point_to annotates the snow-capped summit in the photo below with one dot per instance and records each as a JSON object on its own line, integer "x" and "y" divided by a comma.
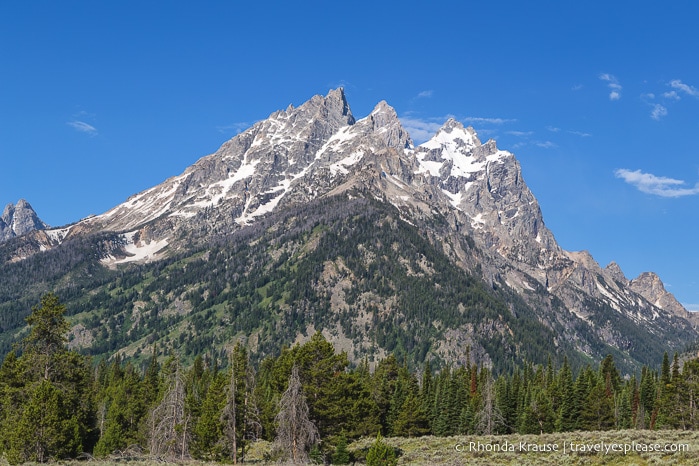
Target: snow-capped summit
{"x": 320, "y": 149}
{"x": 466, "y": 197}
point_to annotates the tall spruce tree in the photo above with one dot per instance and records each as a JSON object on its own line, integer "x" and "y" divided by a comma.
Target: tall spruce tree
{"x": 47, "y": 399}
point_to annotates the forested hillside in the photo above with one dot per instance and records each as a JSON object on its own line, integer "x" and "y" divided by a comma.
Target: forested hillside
{"x": 55, "y": 405}
{"x": 350, "y": 267}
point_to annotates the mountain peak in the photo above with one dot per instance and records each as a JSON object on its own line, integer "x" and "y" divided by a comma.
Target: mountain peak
{"x": 18, "y": 220}
{"x": 649, "y": 285}
{"x": 616, "y": 272}
{"x": 383, "y": 120}
{"x": 337, "y": 100}
{"x": 453, "y": 133}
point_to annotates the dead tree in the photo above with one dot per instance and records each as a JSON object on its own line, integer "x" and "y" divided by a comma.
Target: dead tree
{"x": 489, "y": 416}
{"x": 230, "y": 414}
{"x": 170, "y": 423}
{"x": 295, "y": 431}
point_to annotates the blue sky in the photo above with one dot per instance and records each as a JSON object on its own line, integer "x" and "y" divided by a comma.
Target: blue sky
{"x": 598, "y": 100}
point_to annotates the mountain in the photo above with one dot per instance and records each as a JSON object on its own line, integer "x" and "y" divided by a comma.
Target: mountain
{"x": 314, "y": 220}
{"x": 18, "y": 220}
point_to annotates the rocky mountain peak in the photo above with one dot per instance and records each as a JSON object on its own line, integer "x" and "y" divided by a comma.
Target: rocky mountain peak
{"x": 615, "y": 271}
{"x": 18, "y": 220}
{"x": 383, "y": 121}
{"x": 336, "y": 105}
{"x": 453, "y": 132}
{"x": 649, "y": 285}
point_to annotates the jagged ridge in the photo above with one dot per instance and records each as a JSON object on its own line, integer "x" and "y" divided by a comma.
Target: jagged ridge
{"x": 319, "y": 149}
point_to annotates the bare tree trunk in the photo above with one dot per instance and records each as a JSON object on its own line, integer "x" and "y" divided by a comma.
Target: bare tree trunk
{"x": 230, "y": 414}
{"x": 295, "y": 431}
{"x": 169, "y": 435}
{"x": 489, "y": 416}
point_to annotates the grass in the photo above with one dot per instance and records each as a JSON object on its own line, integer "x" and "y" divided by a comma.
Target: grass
{"x": 492, "y": 450}
{"x": 546, "y": 449}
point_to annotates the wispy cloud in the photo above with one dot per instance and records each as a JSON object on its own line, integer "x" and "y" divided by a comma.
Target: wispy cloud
{"x": 580, "y": 133}
{"x": 691, "y": 307}
{"x": 233, "y": 128}
{"x": 546, "y": 144}
{"x": 657, "y": 185}
{"x": 425, "y": 94}
{"x": 658, "y": 112}
{"x": 421, "y": 130}
{"x": 686, "y": 88}
{"x": 341, "y": 83}
{"x": 520, "y": 133}
{"x": 553, "y": 129}
{"x": 83, "y": 127}
{"x": 672, "y": 95}
{"x": 613, "y": 85}
{"x": 493, "y": 121}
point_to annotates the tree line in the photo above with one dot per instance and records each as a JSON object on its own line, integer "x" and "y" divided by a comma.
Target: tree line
{"x": 308, "y": 399}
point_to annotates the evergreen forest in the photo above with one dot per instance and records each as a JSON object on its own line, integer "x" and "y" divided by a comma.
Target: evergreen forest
{"x": 308, "y": 399}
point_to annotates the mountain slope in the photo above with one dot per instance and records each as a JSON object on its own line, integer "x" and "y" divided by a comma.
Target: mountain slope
{"x": 465, "y": 198}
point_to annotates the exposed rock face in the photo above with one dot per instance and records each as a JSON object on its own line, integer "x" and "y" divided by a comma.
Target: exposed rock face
{"x": 18, "y": 220}
{"x": 651, "y": 287}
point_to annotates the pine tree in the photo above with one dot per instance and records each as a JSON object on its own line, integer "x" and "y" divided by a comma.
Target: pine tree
{"x": 47, "y": 337}
{"x": 239, "y": 415}
{"x": 342, "y": 454}
{"x": 412, "y": 420}
{"x": 383, "y": 388}
{"x": 538, "y": 416}
{"x": 208, "y": 437}
{"x": 598, "y": 410}
{"x": 381, "y": 454}
{"x": 47, "y": 392}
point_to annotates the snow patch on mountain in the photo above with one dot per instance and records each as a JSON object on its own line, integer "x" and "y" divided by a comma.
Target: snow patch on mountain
{"x": 57, "y": 236}
{"x": 136, "y": 250}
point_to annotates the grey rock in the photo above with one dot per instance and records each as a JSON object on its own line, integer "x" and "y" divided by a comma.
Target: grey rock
{"x": 18, "y": 220}
{"x": 649, "y": 285}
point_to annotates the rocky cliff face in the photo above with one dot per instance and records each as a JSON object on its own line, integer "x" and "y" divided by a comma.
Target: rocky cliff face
{"x": 319, "y": 149}
{"x": 18, "y": 220}
{"x": 652, "y": 288}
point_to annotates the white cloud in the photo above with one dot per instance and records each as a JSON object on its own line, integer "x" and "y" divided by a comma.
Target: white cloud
{"x": 234, "y": 128}
{"x": 553, "y": 129}
{"x": 671, "y": 95}
{"x": 580, "y": 133}
{"x": 691, "y": 307}
{"x": 546, "y": 144}
{"x": 613, "y": 84}
{"x": 658, "y": 112}
{"x": 520, "y": 133}
{"x": 83, "y": 127}
{"x": 420, "y": 130}
{"x": 657, "y": 185}
{"x": 494, "y": 121}
{"x": 425, "y": 94}
{"x": 686, "y": 88}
